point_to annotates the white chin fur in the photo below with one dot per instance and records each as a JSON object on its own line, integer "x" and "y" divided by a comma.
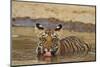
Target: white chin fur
{"x": 45, "y": 49}
{"x": 54, "y": 34}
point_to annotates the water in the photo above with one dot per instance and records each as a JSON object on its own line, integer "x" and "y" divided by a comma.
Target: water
{"x": 23, "y": 53}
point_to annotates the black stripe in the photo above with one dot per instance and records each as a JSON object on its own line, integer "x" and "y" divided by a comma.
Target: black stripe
{"x": 67, "y": 46}
{"x": 75, "y": 45}
{"x": 78, "y": 45}
{"x": 82, "y": 44}
{"x": 71, "y": 49}
{"x": 62, "y": 44}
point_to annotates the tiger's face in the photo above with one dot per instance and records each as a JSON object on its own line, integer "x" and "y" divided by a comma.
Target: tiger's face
{"x": 48, "y": 41}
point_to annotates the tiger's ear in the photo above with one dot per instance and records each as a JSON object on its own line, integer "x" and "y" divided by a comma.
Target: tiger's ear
{"x": 39, "y": 26}
{"x": 58, "y": 27}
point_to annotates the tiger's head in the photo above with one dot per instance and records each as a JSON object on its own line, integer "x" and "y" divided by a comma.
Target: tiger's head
{"x": 48, "y": 41}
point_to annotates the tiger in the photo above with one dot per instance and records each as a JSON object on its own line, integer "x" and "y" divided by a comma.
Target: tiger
{"x": 51, "y": 45}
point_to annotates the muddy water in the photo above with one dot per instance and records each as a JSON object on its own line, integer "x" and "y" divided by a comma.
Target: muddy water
{"x": 31, "y": 59}
{"x": 23, "y": 53}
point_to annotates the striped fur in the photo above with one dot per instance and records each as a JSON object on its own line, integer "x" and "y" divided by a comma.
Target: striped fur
{"x": 73, "y": 46}
{"x": 68, "y": 46}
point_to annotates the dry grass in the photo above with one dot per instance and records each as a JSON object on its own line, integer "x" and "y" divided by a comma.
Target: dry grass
{"x": 61, "y": 12}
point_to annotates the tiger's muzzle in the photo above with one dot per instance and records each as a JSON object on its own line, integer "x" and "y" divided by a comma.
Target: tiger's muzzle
{"x": 43, "y": 51}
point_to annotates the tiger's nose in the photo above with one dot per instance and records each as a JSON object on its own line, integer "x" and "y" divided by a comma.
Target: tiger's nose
{"x": 47, "y": 52}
